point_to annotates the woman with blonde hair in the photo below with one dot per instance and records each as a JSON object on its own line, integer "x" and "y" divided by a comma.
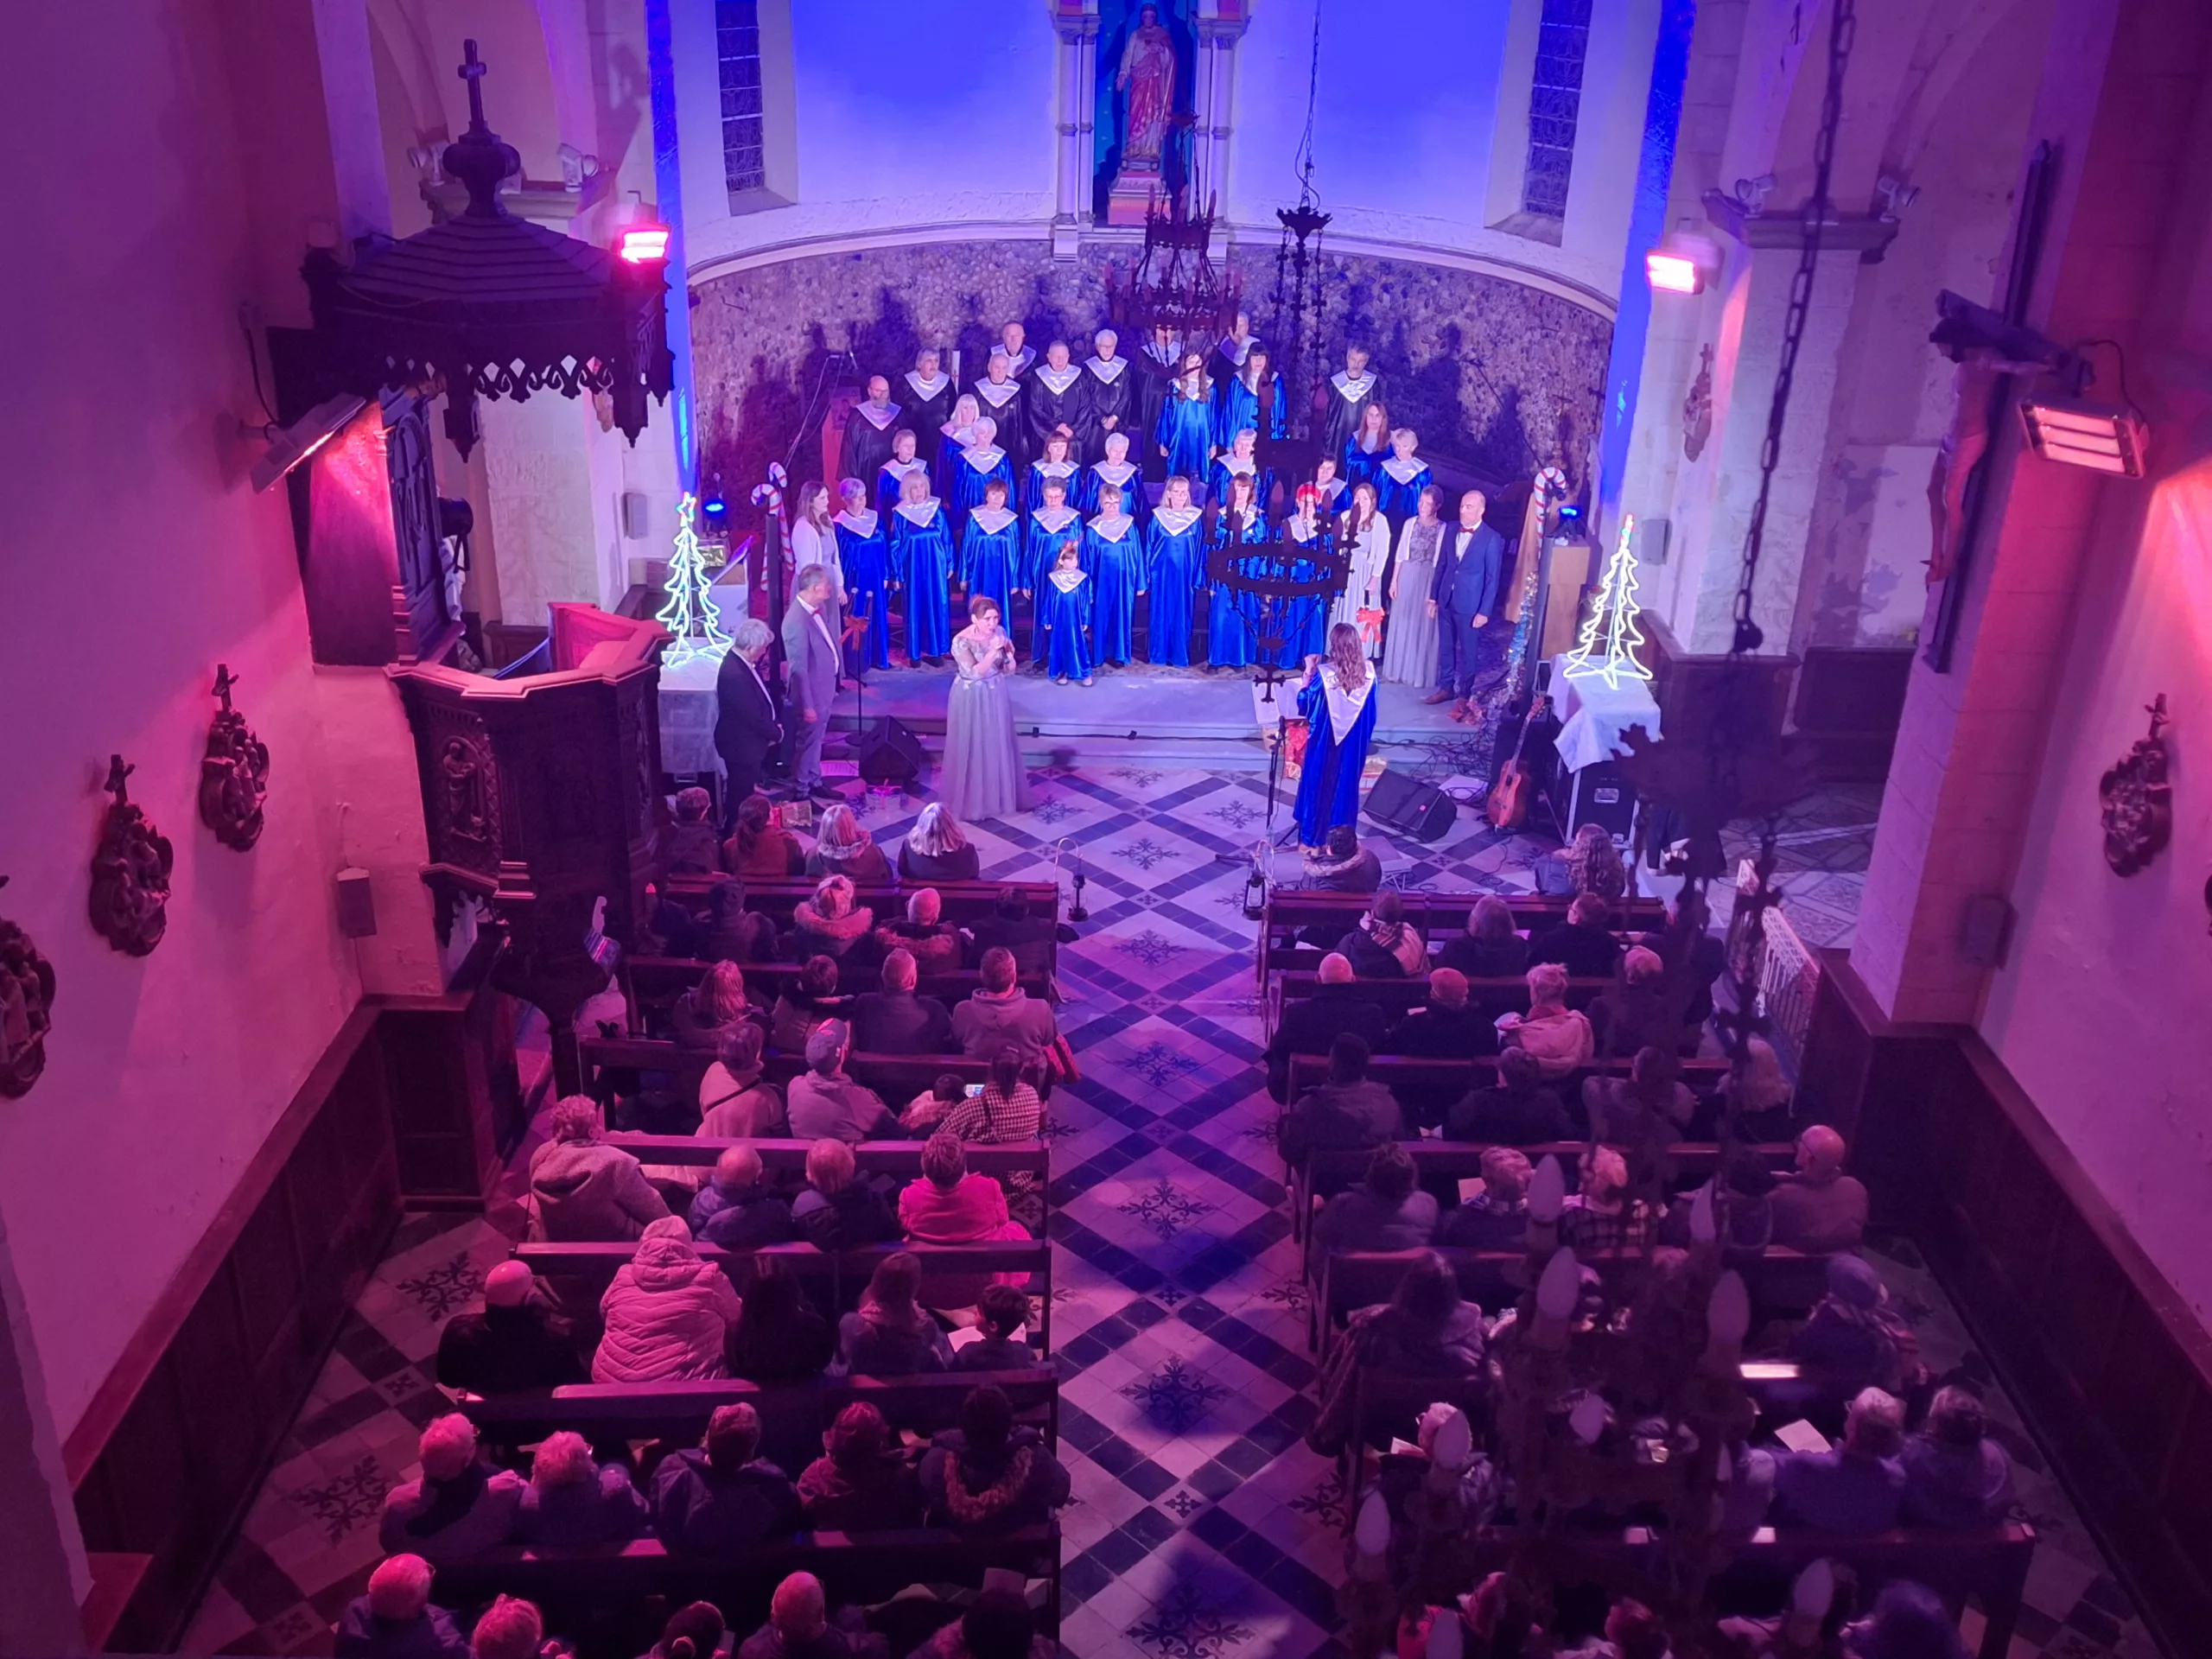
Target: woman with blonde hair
{"x": 830, "y": 923}
{"x": 1558, "y": 1037}
{"x": 891, "y": 1334}
{"x": 702, "y": 1016}
{"x": 572, "y": 1499}
{"x": 937, "y": 849}
{"x": 842, "y": 848}
{"x": 1337, "y": 703}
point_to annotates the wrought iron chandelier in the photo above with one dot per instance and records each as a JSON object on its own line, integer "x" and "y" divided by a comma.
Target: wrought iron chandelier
{"x": 1173, "y": 284}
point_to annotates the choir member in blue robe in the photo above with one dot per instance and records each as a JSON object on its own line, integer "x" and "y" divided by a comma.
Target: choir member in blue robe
{"x": 990, "y": 553}
{"x": 1159, "y": 364}
{"x": 1055, "y": 397}
{"x": 867, "y": 432}
{"x": 1227, "y": 361}
{"x": 1063, "y": 601}
{"x": 1117, "y": 472}
{"x": 998, "y": 397}
{"x": 1232, "y": 520}
{"x": 1055, "y": 461}
{"x": 1113, "y": 554}
{"x": 1184, "y": 436}
{"x": 864, "y": 555}
{"x": 921, "y": 563}
{"x": 1240, "y": 457}
{"x": 974, "y": 470}
{"x": 1053, "y": 526}
{"x": 953, "y": 436}
{"x": 930, "y": 393}
{"x": 1175, "y": 570}
{"x": 1349, "y": 391}
{"x": 1252, "y": 401}
{"x": 1368, "y": 447}
{"x": 1111, "y": 395}
{"x": 1305, "y": 621}
{"x": 1331, "y": 495}
{"x": 1402, "y": 478}
{"x": 1337, "y": 703}
{"x": 891, "y": 477}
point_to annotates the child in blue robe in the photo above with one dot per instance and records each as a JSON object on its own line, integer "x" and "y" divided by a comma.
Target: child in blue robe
{"x": 1063, "y": 600}
{"x": 1184, "y": 436}
{"x": 1113, "y": 555}
{"x": 921, "y": 563}
{"x": 1051, "y": 527}
{"x": 1175, "y": 568}
{"x": 990, "y": 553}
{"x": 1337, "y": 701}
{"x": 865, "y": 556}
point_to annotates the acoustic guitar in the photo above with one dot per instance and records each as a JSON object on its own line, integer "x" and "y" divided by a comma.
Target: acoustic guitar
{"x": 1508, "y": 806}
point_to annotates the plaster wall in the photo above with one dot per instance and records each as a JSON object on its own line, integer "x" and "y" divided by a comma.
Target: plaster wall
{"x": 138, "y": 558}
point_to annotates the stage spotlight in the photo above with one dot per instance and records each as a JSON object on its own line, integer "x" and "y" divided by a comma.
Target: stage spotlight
{"x": 1680, "y": 263}
{"x": 2096, "y": 436}
{"x": 644, "y": 244}
{"x": 295, "y": 443}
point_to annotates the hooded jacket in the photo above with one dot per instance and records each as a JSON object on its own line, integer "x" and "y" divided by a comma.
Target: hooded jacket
{"x": 666, "y": 1313}
{"x": 1560, "y": 1039}
{"x": 814, "y": 934}
{"x": 588, "y": 1191}
{"x": 699, "y": 1509}
{"x": 1020, "y": 1489}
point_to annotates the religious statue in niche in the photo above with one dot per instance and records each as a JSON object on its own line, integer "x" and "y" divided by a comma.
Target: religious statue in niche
{"x": 25, "y": 1009}
{"x": 1697, "y": 408}
{"x": 1147, "y": 81}
{"x": 130, "y": 871}
{"x": 1140, "y": 89}
{"x": 2139, "y": 802}
{"x": 234, "y": 773}
{"x": 468, "y": 792}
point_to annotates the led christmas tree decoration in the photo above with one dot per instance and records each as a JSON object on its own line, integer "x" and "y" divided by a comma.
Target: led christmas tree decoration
{"x": 1607, "y": 648}
{"x": 690, "y": 609}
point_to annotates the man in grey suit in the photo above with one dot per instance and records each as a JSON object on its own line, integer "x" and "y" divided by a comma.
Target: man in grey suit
{"x": 1462, "y": 597}
{"x": 812, "y": 677}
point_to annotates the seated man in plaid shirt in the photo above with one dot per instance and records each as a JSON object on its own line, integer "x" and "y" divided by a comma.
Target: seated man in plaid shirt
{"x": 1602, "y": 1217}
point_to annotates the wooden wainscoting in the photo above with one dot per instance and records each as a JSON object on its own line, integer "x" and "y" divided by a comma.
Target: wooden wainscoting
{"x": 2113, "y": 1370}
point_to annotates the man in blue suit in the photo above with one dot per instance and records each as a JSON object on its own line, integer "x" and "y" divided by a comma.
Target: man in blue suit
{"x": 1462, "y": 597}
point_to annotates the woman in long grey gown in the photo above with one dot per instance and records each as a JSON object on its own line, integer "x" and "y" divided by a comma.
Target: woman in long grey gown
{"x": 983, "y": 776}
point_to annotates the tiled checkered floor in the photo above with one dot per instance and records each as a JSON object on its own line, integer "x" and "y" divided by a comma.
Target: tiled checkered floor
{"x": 1202, "y": 1527}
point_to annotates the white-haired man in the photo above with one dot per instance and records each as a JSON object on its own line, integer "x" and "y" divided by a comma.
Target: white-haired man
{"x": 811, "y": 675}
{"x": 460, "y": 1507}
{"x": 1852, "y": 1490}
{"x": 585, "y": 1190}
{"x": 517, "y": 1342}
{"x": 395, "y": 1620}
{"x": 745, "y": 724}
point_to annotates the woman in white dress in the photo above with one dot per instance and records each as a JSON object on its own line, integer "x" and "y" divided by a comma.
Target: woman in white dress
{"x": 1366, "y": 536}
{"x": 814, "y": 538}
{"x": 983, "y": 776}
{"x": 1409, "y": 637}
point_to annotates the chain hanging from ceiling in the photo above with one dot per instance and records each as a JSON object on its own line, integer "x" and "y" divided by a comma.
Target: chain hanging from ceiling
{"x": 1298, "y": 296}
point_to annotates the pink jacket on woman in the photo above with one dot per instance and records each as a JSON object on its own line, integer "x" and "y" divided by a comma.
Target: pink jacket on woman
{"x": 667, "y": 1313}
{"x": 972, "y": 1212}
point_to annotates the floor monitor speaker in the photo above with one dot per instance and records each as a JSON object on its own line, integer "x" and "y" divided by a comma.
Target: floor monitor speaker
{"x": 1421, "y": 810}
{"x": 890, "y": 755}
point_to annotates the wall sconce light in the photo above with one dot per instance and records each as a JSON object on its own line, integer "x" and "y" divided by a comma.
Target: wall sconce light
{"x": 2098, "y": 436}
{"x": 293, "y": 444}
{"x": 1681, "y": 263}
{"x": 644, "y": 244}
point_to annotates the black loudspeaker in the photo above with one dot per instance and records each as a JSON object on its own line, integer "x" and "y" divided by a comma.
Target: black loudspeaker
{"x": 1602, "y": 796}
{"x": 890, "y": 755}
{"x": 1422, "y": 810}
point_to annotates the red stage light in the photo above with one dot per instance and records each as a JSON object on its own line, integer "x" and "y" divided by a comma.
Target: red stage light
{"x": 644, "y": 244}
{"x": 1671, "y": 273}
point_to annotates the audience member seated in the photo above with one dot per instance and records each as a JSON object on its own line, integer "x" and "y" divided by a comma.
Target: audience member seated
{"x": 863, "y": 1482}
{"x": 936, "y": 945}
{"x": 762, "y": 848}
{"x": 731, "y": 932}
{"x": 1350, "y": 1109}
{"x": 990, "y": 1475}
{"x": 1013, "y": 927}
{"x": 1602, "y": 1217}
{"x": 1449, "y": 1028}
{"x": 395, "y": 1619}
{"x": 1747, "y": 1185}
{"x": 1640, "y": 1010}
{"x": 1760, "y": 1092}
{"x": 1594, "y": 863}
{"x": 800, "y": 1627}
{"x": 1643, "y": 1113}
{"x": 1490, "y": 949}
{"x": 1496, "y": 1218}
{"x": 734, "y": 1103}
{"x": 692, "y": 1632}
{"x": 686, "y": 845}
{"x": 1819, "y": 1209}
{"x": 1519, "y": 1109}
{"x": 948, "y": 1205}
{"x": 584, "y": 1191}
{"x": 838, "y": 1210}
{"x": 1001, "y": 1311}
{"x": 778, "y": 1338}
{"x": 572, "y": 1500}
{"x": 667, "y": 1313}
{"x": 831, "y": 923}
{"x": 702, "y": 1015}
{"x": 1310, "y": 1025}
{"x": 1708, "y": 957}
{"x": 925, "y": 1113}
{"x": 1909, "y": 1621}
{"x": 512, "y": 1629}
{"x": 841, "y": 847}
{"x": 738, "y": 1209}
{"x": 460, "y": 1507}
{"x": 894, "y": 1021}
{"x": 1386, "y": 1212}
{"x": 517, "y": 1342}
{"x": 937, "y": 849}
{"x": 825, "y": 1103}
{"x": 1852, "y": 1490}
{"x": 1557, "y": 1035}
{"x": 1582, "y": 944}
{"x": 720, "y": 1498}
{"x": 1341, "y": 865}
{"x": 1006, "y": 1111}
{"x": 1955, "y": 1477}
{"x": 1001, "y": 1014}
{"x": 801, "y": 1009}
{"x": 891, "y": 1333}
{"x": 1381, "y": 946}
{"x": 1426, "y": 1329}
{"x": 1855, "y": 1339}
{"x": 998, "y": 1624}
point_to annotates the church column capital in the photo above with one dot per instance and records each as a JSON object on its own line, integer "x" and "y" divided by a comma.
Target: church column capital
{"x": 1073, "y": 19}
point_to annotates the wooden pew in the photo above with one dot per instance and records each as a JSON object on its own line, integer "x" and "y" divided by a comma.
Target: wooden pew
{"x": 963, "y": 901}
{"x": 901, "y": 1158}
{"x": 1288, "y": 913}
{"x": 897, "y": 1077}
{"x": 1400, "y": 997}
{"x": 1415, "y": 1073}
{"x": 656, "y": 981}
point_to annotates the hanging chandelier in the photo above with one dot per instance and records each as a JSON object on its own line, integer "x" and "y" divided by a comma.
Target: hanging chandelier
{"x": 1173, "y": 283}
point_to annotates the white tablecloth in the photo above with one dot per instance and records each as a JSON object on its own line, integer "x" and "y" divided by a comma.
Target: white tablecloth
{"x": 1594, "y": 716}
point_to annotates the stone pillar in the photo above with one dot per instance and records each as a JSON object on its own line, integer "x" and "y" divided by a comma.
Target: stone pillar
{"x": 1076, "y": 23}
{"x": 1221, "y": 24}
{"x": 43, "y": 1574}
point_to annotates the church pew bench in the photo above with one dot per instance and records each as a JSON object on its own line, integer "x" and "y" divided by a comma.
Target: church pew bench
{"x": 1287, "y": 914}
{"x": 963, "y": 901}
{"x": 901, "y": 1159}
{"x": 897, "y": 1077}
{"x": 1399, "y": 997}
{"x": 654, "y": 982}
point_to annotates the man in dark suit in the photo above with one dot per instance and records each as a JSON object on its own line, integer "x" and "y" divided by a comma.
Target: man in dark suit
{"x": 811, "y": 678}
{"x": 745, "y": 727}
{"x": 1311, "y": 1024}
{"x": 1013, "y": 928}
{"x": 1582, "y": 944}
{"x": 1462, "y": 597}
{"x": 1449, "y": 1028}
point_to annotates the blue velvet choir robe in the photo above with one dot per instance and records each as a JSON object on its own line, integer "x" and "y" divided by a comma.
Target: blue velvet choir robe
{"x": 1227, "y": 466}
{"x": 990, "y": 555}
{"x": 1002, "y": 402}
{"x": 1308, "y": 618}
{"x": 1398, "y": 485}
{"x": 1339, "y": 725}
{"x": 891, "y": 478}
{"x": 1068, "y": 472}
{"x": 1124, "y": 477}
{"x": 1113, "y": 555}
{"x": 1348, "y": 402}
{"x": 1186, "y": 432}
{"x": 950, "y": 444}
{"x": 1361, "y": 466}
{"x": 1175, "y": 568}
{"x": 972, "y": 472}
{"x": 865, "y": 556}
{"x": 1239, "y": 411}
{"x": 1064, "y": 601}
{"x": 1046, "y": 533}
{"x": 1229, "y": 641}
{"x": 921, "y": 558}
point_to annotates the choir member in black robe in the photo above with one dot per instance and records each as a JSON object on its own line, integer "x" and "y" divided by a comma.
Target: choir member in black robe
{"x": 1159, "y": 365}
{"x": 1057, "y": 397}
{"x": 999, "y": 394}
{"x": 1112, "y": 390}
{"x": 929, "y": 401}
{"x": 1020, "y": 359}
{"x": 867, "y": 433}
{"x": 1349, "y": 391}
